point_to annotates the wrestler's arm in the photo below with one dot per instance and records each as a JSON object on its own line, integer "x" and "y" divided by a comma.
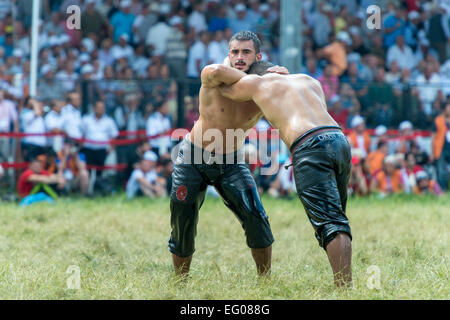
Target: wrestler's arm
{"x": 242, "y": 90}
{"x": 215, "y": 75}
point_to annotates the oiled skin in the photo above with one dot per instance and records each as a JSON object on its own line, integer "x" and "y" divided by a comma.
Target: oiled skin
{"x": 293, "y": 104}
{"x": 220, "y": 113}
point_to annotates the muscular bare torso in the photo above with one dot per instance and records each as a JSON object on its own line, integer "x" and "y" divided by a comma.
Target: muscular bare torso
{"x": 293, "y": 104}
{"x": 217, "y": 114}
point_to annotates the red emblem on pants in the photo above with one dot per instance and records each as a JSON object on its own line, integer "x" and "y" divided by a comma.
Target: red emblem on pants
{"x": 181, "y": 193}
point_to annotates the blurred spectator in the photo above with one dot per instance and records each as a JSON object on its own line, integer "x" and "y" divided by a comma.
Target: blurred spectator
{"x": 429, "y": 85}
{"x": 197, "y": 59}
{"x": 359, "y": 137}
{"x": 441, "y": 146}
{"x": 339, "y": 114}
{"x": 122, "y": 21}
{"x": 143, "y": 23}
{"x": 67, "y": 76}
{"x": 380, "y": 97}
{"x": 144, "y": 180}
{"x": 219, "y": 22}
{"x": 388, "y": 180}
{"x": 122, "y": 48}
{"x": 72, "y": 163}
{"x": 32, "y": 122}
{"x": 375, "y": 159}
{"x": 9, "y": 122}
{"x": 98, "y": 129}
{"x": 197, "y": 20}
{"x": 243, "y": 21}
{"x": 329, "y": 82}
{"x": 48, "y": 88}
{"x": 394, "y": 26}
{"x": 218, "y": 48}
{"x": 157, "y": 125}
{"x": 321, "y": 24}
{"x": 158, "y": 36}
{"x": 438, "y": 32}
{"x": 54, "y": 123}
{"x": 312, "y": 68}
{"x": 425, "y": 185}
{"x": 176, "y": 48}
{"x": 72, "y": 115}
{"x": 37, "y": 185}
{"x": 92, "y": 21}
{"x": 401, "y": 53}
{"x": 359, "y": 181}
{"x": 335, "y": 53}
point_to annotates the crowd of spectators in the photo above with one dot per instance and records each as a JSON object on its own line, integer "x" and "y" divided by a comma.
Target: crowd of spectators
{"x": 134, "y": 63}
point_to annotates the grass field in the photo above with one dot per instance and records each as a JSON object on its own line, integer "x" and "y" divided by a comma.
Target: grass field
{"x": 120, "y": 249}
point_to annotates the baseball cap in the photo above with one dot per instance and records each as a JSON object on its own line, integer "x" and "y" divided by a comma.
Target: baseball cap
{"x": 356, "y": 121}
{"x": 125, "y": 3}
{"x": 404, "y": 125}
{"x": 240, "y": 8}
{"x": 175, "y": 20}
{"x": 380, "y": 130}
{"x": 150, "y": 156}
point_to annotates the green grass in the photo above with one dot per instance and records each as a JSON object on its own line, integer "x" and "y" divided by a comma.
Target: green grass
{"x": 121, "y": 250}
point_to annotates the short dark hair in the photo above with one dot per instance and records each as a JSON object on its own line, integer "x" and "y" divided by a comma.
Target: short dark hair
{"x": 247, "y": 36}
{"x": 260, "y": 67}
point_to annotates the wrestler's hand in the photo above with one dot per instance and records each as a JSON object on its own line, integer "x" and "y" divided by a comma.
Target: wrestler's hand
{"x": 279, "y": 70}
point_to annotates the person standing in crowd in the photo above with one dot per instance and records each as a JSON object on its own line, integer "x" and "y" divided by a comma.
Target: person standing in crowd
{"x": 197, "y": 59}
{"x": 54, "y": 123}
{"x": 98, "y": 129}
{"x": 159, "y": 123}
{"x": 122, "y": 21}
{"x": 32, "y": 122}
{"x": 176, "y": 48}
{"x": 8, "y": 123}
{"x": 72, "y": 115}
{"x": 441, "y": 146}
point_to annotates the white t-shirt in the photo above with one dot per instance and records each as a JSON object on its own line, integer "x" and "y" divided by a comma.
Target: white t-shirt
{"x": 101, "y": 130}
{"x": 157, "y": 124}
{"x": 133, "y": 183}
{"x": 54, "y": 120}
{"x": 33, "y": 124}
{"x": 198, "y": 51}
{"x": 8, "y": 114}
{"x": 72, "y": 121}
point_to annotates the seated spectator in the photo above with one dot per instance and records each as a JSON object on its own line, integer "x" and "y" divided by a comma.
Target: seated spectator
{"x": 425, "y": 185}
{"x": 359, "y": 137}
{"x": 165, "y": 169}
{"x": 388, "y": 180}
{"x": 441, "y": 146}
{"x": 36, "y": 184}
{"x": 73, "y": 165}
{"x": 339, "y": 114}
{"x": 359, "y": 180}
{"x": 412, "y": 168}
{"x": 401, "y": 53}
{"x": 335, "y": 53}
{"x": 144, "y": 180}
{"x": 375, "y": 159}
{"x": 329, "y": 82}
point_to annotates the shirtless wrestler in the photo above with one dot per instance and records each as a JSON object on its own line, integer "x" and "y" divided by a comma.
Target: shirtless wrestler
{"x": 295, "y": 105}
{"x": 232, "y": 180}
